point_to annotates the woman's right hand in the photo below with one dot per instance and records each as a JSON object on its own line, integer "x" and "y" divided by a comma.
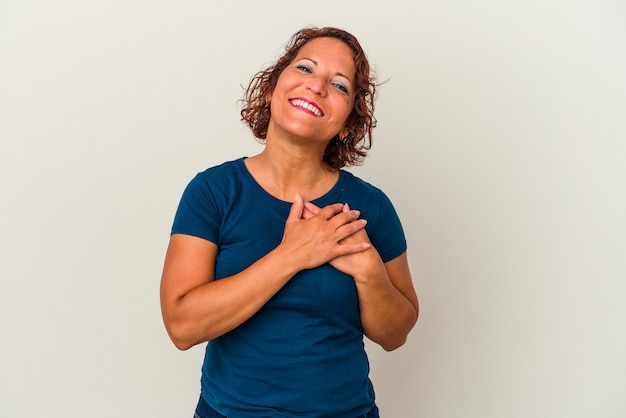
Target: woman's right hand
{"x": 197, "y": 308}
{"x": 315, "y": 239}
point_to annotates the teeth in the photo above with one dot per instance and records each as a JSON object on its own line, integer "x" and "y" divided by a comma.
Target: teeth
{"x": 307, "y": 106}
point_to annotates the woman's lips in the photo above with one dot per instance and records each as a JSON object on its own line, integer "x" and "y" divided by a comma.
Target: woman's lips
{"x": 307, "y": 106}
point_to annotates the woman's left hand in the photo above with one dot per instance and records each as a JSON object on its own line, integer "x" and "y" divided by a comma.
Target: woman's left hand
{"x": 387, "y": 300}
{"x": 351, "y": 264}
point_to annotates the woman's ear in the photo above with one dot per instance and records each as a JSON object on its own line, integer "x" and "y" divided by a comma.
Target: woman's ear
{"x": 343, "y": 133}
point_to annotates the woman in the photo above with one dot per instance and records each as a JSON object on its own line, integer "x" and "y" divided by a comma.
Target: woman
{"x": 270, "y": 259}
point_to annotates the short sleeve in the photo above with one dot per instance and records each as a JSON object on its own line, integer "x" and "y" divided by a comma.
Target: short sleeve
{"x": 388, "y": 235}
{"x": 197, "y": 212}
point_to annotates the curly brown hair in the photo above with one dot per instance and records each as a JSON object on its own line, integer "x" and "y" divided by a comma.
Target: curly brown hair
{"x": 340, "y": 152}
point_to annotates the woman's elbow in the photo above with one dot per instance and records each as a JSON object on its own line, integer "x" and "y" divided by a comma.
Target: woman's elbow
{"x": 179, "y": 333}
{"x": 177, "y": 338}
{"x": 395, "y": 340}
{"x": 394, "y": 345}
{"x": 181, "y": 343}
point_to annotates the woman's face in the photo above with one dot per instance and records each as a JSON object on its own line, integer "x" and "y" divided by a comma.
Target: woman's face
{"x": 314, "y": 95}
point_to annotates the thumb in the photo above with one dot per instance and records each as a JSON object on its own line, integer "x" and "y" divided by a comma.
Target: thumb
{"x": 296, "y": 208}
{"x": 310, "y": 210}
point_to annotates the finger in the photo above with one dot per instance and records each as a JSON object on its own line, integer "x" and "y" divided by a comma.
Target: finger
{"x": 331, "y": 210}
{"x": 312, "y": 208}
{"x": 345, "y": 217}
{"x": 346, "y": 249}
{"x": 296, "y": 208}
{"x": 350, "y": 229}
{"x": 306, "y": 213}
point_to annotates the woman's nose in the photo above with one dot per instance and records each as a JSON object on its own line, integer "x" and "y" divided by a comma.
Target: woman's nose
{"x": 317, "y": 85}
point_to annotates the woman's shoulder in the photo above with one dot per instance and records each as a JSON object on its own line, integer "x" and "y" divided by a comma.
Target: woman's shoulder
{"x": 220, "y": 175}
{"x": 358, "y": 185}
{"x": 364, "y": 194}
{"x": 224, "y": 178}
{"x": 227, "y": 168}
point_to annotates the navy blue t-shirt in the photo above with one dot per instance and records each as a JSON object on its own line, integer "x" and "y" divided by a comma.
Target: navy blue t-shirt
{"x": 302, "y": 354}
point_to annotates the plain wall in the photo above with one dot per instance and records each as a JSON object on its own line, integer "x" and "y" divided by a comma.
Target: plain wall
{"x": 501, "y": 141}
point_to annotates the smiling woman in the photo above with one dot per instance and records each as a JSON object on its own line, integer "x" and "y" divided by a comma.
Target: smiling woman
{"x": 283, "y": 261}
{"x": 356, "y": 140}
{"x": 311, "y": 99}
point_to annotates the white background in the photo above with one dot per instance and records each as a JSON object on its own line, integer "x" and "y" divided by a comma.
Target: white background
{"x": 501, "y": 141}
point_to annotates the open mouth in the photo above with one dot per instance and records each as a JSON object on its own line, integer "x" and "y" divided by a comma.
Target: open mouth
{"x": 307, "y": 106}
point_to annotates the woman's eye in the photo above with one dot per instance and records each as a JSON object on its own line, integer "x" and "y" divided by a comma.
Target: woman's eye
{"x": 304, "y": 68}
{"x": 341, "y": 87}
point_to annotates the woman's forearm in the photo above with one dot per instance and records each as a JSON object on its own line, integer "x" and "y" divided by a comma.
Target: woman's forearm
{"x": 388, "y": 310}
{"x": 196, "y": 308}
{"x": 216, "y": 307}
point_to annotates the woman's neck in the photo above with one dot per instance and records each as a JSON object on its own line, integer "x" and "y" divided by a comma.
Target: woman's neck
{"x": 285, "y": 173}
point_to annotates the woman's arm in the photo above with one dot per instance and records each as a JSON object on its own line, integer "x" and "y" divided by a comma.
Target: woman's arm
{"x": 387, "y": 300}
{"x": 197, "y": 308}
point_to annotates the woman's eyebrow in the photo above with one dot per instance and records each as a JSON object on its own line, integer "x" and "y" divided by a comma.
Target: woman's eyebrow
{"x": 340, "y": 74}
{"x": 309, "y": 59}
